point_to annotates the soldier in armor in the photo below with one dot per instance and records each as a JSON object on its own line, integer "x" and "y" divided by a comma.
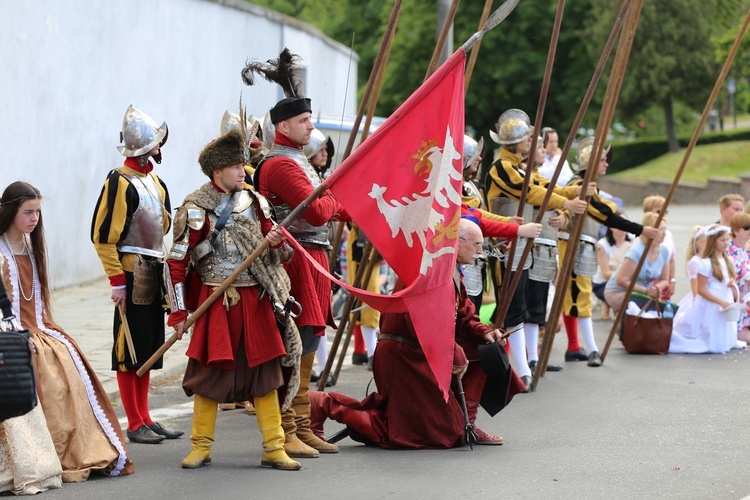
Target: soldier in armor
{"x": 241, "y": 348}
{"x": 577, "y": 299}
{"x": 286, "y": 178}
{"x": 472, "y": 202}
{"x": 503, "y": 186}
{"x": 131, "y": 217}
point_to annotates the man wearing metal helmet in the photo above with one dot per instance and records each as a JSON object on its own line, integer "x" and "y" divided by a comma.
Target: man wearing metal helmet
{"x": 239, "y": 348}
{"x": 503, "y": 185}
{"x": 286, "y": 178}
{"x": 577, "y": 299}
{"x": 131, "y": 217}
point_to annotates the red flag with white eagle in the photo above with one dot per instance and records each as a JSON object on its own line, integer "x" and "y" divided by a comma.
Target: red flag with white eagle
{"x": 402, "y": 187}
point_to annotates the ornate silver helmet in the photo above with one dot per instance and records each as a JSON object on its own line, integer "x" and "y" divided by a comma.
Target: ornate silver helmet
{"x": 268, "y": 131}
{"x": 472, "y": 150}
{"x": 232, "y": 121}
{"x": 140, "y": 133}
{"x": 513, "y": 127}
{"x": 583, "y": 155}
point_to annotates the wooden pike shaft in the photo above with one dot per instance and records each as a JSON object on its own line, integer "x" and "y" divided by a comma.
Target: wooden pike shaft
{"x": 605, "y": 118}
{"x": 506, "y": 290}
{"x": 218, "y": 292}
{"x": 670, "y": 194}
{"x": 372, "y": 260}
{"x": 441, "y": 39}
{"x": 475, "y": 49}
{"x": 348, "y": 306}
{"x": 128, "y": 336}
{"x": 574, "y": 127}
{"x": 378, "y": 68}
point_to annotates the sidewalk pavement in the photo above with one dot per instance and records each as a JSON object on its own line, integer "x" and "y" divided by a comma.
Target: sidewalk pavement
{"x": 85, "y": 312}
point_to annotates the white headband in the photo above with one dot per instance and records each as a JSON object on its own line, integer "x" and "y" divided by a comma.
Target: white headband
{"x": 714, "y": 229}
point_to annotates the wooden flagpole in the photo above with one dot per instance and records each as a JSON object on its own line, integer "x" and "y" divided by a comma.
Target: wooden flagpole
{"x": 673, "y": 188}
{"x": 605, "y": 118}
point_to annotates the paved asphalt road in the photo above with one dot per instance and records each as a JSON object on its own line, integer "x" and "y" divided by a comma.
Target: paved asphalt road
{"x": 639, "y": 427}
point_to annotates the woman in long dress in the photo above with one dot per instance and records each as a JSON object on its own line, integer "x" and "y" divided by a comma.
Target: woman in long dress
{"x": 704, "y": 327}
{"x": 74, "y": 415}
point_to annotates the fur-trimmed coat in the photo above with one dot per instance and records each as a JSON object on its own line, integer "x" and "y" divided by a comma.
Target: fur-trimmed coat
{"x": 215, "y": 345}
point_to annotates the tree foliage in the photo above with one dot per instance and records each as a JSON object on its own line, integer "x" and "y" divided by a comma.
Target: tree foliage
{"x": 674, "y": 54}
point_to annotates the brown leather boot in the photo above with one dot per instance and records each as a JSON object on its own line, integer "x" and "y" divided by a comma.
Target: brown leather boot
{"x": 292, "y": 445}
{"x": 301, "y": 407}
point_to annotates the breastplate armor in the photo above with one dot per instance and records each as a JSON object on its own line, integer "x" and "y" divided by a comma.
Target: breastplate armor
{"x": 146, "y": 232}
{"x": 216, "y": 267}
{"x": 304, "y": 232}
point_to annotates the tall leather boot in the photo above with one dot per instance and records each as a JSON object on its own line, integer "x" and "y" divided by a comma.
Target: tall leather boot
{"x": 292, "y": 444}
{"x": 202, "y": 437}
{"x": 269, "y": 424}
{"x": 334, "y": 406}
{"x": 301, "y": 407}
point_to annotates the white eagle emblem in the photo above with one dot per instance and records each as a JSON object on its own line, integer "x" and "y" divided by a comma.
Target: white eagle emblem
{"x": 414, "y": 215}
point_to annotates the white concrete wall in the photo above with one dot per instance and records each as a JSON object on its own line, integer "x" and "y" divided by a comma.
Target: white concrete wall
{"x": 70, "y": 68}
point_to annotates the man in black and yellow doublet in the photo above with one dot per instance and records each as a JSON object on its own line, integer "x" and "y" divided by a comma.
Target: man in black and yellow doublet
{"x": 131, "y": 217}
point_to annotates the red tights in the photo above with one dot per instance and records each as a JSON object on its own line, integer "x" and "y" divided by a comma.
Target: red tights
{"x": 134, "y": 397}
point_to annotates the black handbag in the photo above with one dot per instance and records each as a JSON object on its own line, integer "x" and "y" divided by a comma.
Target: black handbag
{"x": 17, "y": 382}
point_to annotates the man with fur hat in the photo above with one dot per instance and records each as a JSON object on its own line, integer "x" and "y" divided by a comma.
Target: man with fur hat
{"x": 286, "y": 178}
{"x": 131, "y": 217}
{"x": 241, "y": 348}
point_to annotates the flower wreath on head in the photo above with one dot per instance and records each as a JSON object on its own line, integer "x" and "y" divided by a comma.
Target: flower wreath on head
{"x": 713, "y": 229}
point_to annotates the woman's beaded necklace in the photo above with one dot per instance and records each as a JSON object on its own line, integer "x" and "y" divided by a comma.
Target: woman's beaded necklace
{"x": 13, "y": 254}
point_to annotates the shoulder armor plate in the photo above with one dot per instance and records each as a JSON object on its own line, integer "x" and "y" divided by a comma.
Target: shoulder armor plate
{"x": 196, "y": 216}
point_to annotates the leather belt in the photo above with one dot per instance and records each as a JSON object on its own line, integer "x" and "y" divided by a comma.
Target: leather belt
{"x": 396, "y": 338}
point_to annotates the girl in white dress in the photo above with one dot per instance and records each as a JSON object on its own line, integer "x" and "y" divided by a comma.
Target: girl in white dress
{"x": 701, "y": 327}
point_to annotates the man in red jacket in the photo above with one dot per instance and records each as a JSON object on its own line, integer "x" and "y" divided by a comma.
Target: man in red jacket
{"x": 286, "y": 178}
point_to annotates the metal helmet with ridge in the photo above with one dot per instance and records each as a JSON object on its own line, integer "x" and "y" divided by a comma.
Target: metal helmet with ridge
{"x": 140, "y": 134}
{"x": 513, "y": 127}
{"x": 268, "y": 131}
{"x": 583, "y": 154}
{"x": 317, "y": 142}
{"x": 232, "y": 121}
{"x": 472, "y": 150}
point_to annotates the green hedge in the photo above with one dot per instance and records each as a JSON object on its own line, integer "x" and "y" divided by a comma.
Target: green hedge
{"x": 629, "y": 154}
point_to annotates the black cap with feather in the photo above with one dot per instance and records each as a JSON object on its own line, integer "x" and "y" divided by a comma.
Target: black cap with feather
{"x": 283, "y": 71}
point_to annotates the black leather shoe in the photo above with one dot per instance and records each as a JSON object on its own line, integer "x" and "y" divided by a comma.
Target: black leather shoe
{"x": 594, "y": 359}
{"x": 359, "y": 358}
{"x": 162, "y": 431}
{"x": 314, "y": 377}
{"x": 145, "y": 435}
{"x": 532, "y": 367}
{"x": 554, "y": 368}
{"x": 579, "y": 355}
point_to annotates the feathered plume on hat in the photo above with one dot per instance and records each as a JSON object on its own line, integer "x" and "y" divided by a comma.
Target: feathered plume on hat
{"x": 285, "y": 72}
